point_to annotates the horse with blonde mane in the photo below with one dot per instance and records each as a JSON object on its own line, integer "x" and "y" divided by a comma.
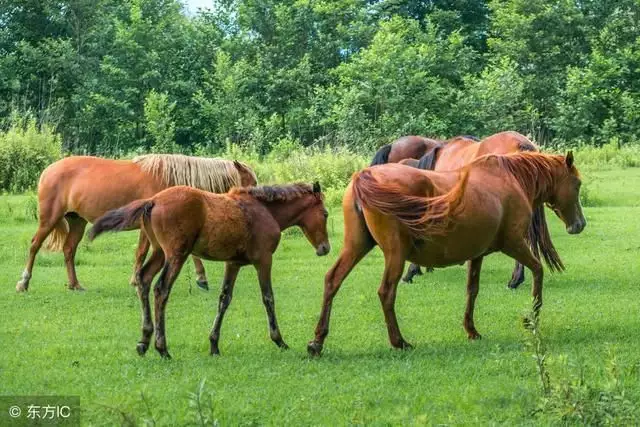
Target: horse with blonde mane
{"x": 439, "y": 219}
{"x": 79, "y": 189}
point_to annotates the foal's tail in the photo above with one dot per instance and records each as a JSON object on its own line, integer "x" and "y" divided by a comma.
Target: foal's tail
{"x": 540, "y": 240}
{"x": 382, "y": 155}
{"x": 124, "y": 218}
{"x": 421, "y": 215}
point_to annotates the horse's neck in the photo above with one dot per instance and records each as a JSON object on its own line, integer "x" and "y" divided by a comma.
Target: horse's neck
{"x": 287, "y": 213}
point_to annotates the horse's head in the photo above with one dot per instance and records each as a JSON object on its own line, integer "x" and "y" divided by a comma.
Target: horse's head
{"x": 247, "y": 176}
{"x": 314, "y": 223}
{"x": 565, "y": 200}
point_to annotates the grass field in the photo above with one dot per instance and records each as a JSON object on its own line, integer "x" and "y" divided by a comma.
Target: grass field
{"x": 57, "y": 342}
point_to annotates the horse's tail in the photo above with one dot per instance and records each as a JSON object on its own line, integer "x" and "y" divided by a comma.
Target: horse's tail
{"x": 382, "y": 155}
{"x": 428, "y": 161}
{"x": 55, "y": 240}
{"x": 540, "y": 240}
{"x": 124, "y": 218}
{"x": 421, "y": 215}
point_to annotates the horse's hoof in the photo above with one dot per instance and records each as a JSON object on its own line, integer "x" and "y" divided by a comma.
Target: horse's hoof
{"x": 142, "y": 348}
{"x": 474, "y": 336}
{"x": 404, "y": 346}
{"x": 283, "y": 346}
{"x": 77, "y": 288}
{"x": 513, "y": 284}
{"x": 314, "y": 349}
{"x": 21, "y": 286}
{"x": 164, "y": 354}
{"x": 430, "y": 270}
{"x": 407, "y": 280}
{"x": 214, "y": 352}
{"x": 203, "y": 284}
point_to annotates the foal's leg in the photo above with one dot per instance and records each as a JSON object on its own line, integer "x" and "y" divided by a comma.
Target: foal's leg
{"x": 161, "y": 291}
{"x": 394, "y": 264}
{"x": 144, "y": 276}
{"x": 517, "y": 277}
{"x": 264, "y": 277}
{"x": 201, "y": 276}
{"x": 412, "y": 271}
{"x": 76, "y": 231}
{"x": 230, "y": 274}
{"x": 141, "y": 254}
{"x": 350, "y": 255}
{"x": 473, "y": 283}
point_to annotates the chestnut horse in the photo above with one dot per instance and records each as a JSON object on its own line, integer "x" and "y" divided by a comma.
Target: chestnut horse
{"x": 79, "y": 189}
{"x": 457, "y": 152}
{"x": 445, "y": 218}
{"x": 241, "y": 227}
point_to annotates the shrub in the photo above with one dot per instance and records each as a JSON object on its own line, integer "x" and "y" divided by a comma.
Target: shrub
{"x": 25, "y": 151}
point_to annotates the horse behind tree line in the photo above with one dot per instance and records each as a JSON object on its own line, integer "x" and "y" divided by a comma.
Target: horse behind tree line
{"x": 241, "y": 227}
{"x": 457, "y": 152}
{"x": 446, "y": 218}
{"x": 79, "y": 189}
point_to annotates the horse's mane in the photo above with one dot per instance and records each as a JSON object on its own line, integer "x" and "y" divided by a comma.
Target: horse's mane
{"x": 532, "y": 170}
{"x": 209, "y": 174}
{"x": 277, "y": 193}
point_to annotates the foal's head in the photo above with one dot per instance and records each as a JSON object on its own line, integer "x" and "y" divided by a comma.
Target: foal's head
{"x": 313, "y": 223}
{"x": 565, "y": 200}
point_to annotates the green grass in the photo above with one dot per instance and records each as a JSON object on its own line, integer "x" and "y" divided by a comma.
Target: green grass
{"x": 57, "y": 342}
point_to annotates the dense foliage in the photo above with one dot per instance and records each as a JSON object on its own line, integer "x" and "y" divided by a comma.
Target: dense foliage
{"x": 116, "y": 77}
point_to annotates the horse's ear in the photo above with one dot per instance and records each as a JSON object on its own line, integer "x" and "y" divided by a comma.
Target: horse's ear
{"x": 316, "y": 187}
{"x": 237, "y": 164}
{"x": 569, "y": 159}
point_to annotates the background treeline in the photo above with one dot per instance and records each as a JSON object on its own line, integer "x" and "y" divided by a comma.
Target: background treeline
{"x": 114, "y": 77}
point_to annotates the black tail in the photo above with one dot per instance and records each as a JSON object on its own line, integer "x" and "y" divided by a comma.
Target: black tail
{"x": 382, "y": 155}
{"x": 540, "y": 240}
{"x": 124, "y": 218}
{"x": 428, "y": 161}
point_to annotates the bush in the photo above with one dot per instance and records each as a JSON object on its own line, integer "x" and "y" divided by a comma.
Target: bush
{"x": 25, "y": 151}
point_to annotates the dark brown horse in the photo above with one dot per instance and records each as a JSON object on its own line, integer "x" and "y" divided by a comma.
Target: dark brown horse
{"x": 457, "y": 152}
{"x": 241, "y": 227}
{"x": 79, "y": 189}
{"x": 446, "y": 218}
{"x": 407, "y": 147}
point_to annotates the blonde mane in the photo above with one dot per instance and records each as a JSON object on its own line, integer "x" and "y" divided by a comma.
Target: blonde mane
{"x": 210, "y": 174}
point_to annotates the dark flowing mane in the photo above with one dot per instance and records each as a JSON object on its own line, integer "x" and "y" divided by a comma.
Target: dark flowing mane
{"x": 277, "y": 193}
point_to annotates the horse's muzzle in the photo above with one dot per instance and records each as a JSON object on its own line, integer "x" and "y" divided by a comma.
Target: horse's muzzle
{"x": 323, "y": 249}
{"x": 577, "y": 227}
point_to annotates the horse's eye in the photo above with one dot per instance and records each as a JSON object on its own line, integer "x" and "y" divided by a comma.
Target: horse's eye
{"x": 326, "y": 214}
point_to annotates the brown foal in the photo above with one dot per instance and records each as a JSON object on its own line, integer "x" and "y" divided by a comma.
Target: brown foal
{"x": 241, "y": 227}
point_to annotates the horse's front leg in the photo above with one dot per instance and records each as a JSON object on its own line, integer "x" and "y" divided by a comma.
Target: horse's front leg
{"x": 520, "y": 251}
{"x": 394, "y": 264}
{"x": 264, "y": 277}
{"x": 473, "y": 284}
{"x": 230, "y": 274}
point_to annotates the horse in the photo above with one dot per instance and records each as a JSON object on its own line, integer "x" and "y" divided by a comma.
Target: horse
{"x": 459, "y": 151}
{"x": 445, "y": 218}
{"x": 79, "y": 189}
{"x": 407, "y": 147}
{"x": 241, "y": 227}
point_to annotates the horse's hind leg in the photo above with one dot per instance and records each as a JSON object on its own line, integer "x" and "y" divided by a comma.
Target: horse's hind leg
{"x": 517, "y": 277}
{"x": 412, "y": 271}
{"x": 161, "y": 291}
{"x": 230, "y": 274}
{"x": 350, "y": 255}
{"x": 264, "y": 277}
{"x": 394, "y": 265}
{"x": 144, "y": 276}
{"x": 141, "y": 254}
{"x": 473, "y": 284}
{"x": 51, "y": 220}
{"x": 201, "y": 279}
{"x": 76, "y": 231}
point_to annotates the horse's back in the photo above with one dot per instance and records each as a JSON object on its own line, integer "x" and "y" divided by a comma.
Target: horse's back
{"x": 505, "y": 143}
{"x": 410, "y": 147}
